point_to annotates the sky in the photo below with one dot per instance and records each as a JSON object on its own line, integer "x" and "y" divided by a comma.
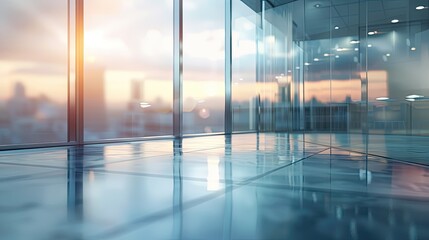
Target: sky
{"x": 123, "y": 37}
{"x": 129, "y": 42}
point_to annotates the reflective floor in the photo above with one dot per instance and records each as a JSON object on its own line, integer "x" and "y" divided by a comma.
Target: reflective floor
{"x": 248, "y": 186}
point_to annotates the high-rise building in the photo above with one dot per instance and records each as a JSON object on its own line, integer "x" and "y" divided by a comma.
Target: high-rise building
{"x": 95, "y": 99}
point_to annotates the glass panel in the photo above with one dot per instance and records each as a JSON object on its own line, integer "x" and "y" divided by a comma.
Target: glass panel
{"x": 245, "y": 24}
{"x": 398, "y": 55}
{"x": 203, "y": 66}
{"x": 128, "y": 68}
{"x": 398, "y": 86}
{"x": 317, "y": 75}
{"x": 33, "y": 71}
{"x": 273, "y": 65}
{"x": 347, "y": 99}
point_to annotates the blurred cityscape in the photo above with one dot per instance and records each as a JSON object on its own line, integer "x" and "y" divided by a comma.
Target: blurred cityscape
{"x": 28, "y": 119}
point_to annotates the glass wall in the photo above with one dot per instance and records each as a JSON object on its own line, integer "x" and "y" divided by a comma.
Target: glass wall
{"x": 246, "y": 24}
{"x": 335, "y": 91}
{"x": 268, "y": 66}
{"x": 397, "y": 68}
{"x": 203, "y": 66}
{"x": 33, "y": 71}
{"x": 336, "y": 70}
{"x": 318, "y": 74}
{"x": 128, "y": 87}
{"x": 365, "y": 71}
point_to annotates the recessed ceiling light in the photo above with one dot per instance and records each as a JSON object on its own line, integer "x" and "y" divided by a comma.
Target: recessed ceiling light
{"x": 394, "y": 21}
{"x": 326, "y": 54}
{"x": 371, "y": 33}
{"x": 414, "y": 96}
{"x": 382, "y": 99}
{"x": 413, "y": 49}
{"x": 369, "y": 45}
{"x": 420, "y": 7}
{"x": 387, "y": 54}
{"x": 336, "y": 27}
{"x": 354, "y": 42}
{"x": 307, "y": 64}
{"x": 317, "y": 5}
{"x": 316, "y": 59}
{"x": 337, "y": 56}
{"x": 356, "y": 49}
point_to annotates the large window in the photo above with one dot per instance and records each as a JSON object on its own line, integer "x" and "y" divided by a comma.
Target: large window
{"x": 128, "y": 86}
{"x": 33, "y": 71}
{"x": 203, "y": 66}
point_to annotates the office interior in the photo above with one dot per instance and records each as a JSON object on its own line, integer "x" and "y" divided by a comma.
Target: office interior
{"x": 210, "y": 119}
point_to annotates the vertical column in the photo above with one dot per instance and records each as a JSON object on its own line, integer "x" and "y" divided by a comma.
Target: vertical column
{"x": 228, "y": 66}
{"x": 262, "y": 106}
{"x": 77, "y": 132}
{"x": 71, "y": 61}
{"x": 331, "y": 119}
{"x": 178, "y": 69}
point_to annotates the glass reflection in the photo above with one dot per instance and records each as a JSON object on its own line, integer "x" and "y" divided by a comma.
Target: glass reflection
{"x": 177, "y": 190}
{"x": 75, "y": 181}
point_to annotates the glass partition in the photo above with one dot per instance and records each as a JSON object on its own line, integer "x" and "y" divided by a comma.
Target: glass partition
{"x": 398, "y": 83}
{"x": 245, "y": 26}
{"x": 282, "y": 52}
{"x": 397, "y": 69}
{"x": 364, "y": 69}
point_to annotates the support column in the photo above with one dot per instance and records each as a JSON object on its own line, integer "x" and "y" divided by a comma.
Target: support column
{"x": 178, "y": 69}
{"x": 76, "y": 118}
{"x": 228, "y": 66}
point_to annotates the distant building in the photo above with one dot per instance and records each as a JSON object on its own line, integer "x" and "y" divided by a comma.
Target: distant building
{"x": 133, "y": 122}
{"x": 94, "y": 95}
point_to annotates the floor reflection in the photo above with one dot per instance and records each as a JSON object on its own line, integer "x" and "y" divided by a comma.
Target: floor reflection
{"x": 244, "y": 186}
{"x": 177, "y": 190}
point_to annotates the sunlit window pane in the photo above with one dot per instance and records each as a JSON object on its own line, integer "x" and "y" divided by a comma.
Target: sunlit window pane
{"x": 203, "y": 66}
{"x": 33, "y": 71}
{"x": 128, "y": 68}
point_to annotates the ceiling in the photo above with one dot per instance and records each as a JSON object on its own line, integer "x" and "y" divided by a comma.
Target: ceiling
{"x": 350, "y": 16}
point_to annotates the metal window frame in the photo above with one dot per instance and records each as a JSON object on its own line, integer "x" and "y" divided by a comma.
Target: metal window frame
{"x": 178, "y": 69}
{"x": 228, "y": 67}
{"x": 78, "y": 131}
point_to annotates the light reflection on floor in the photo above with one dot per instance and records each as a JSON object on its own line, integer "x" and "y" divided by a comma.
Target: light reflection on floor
{"x": 248, "y": 186}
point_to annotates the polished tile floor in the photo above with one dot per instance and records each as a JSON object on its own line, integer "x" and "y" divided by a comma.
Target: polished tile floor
{"x": 248, "y": 186}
